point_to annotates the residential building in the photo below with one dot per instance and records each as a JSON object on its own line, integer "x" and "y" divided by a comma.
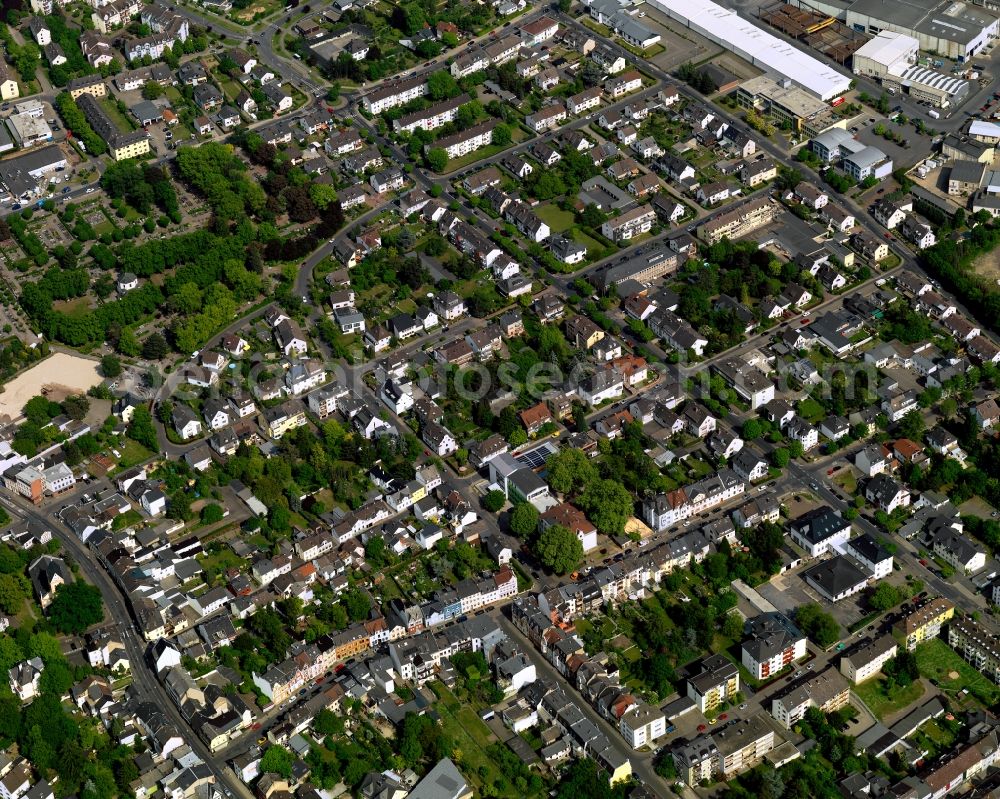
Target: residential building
{"x": 924, "y": 623}
{"x": 827, "y": 690}
{"x": 630, "y": 224}
{"x": 820, "y": 530}
{"x": 774, "y": 644}
{"x": 716, "y": 682}
{"x": 863, "y": 663}
{"x": 976, "y": 644}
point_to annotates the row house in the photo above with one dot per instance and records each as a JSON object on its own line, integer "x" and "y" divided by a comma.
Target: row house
{"x": 433, "y": 117}
{"x": 629, "y": 224}
{"x": 393, "y": 94}
{"x": 546, "y": 118}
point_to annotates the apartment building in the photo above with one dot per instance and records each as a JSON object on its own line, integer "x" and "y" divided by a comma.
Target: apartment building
{"x": 433, "y": 117}
{"x": 828, "y": 690}
{"x": 774, "y": 643}
{"x": 924, "y": 623}
{"x": 623, "y": 84}
{"x": 546, "y": 118}
{"x": 819, "y": 530}
{"x": 88, "y": 84}
{"x": 718, "y": 681}
{"x": 630, "y": 224}
{"x": 743, "y": 745}
{"x": 467, "y": 141}
{"x": 121, "y": 146}
{"x": 585, "y": 100}
{"x": 393, "y": 94}
{"x": 864, "y": 663}
{"x": 977, "y": 645}
{"x": 725, "y": 753}
{"x": 642, "y": 724}
{"x": 738, "y": 222}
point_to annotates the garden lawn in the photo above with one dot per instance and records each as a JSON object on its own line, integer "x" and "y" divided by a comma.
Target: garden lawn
{"x": 884, "y": 706}
{"x": 580, "y": 237}
{"x": 470, "y": 735}
{"x": 123, "y": 123}
{"x": 555, "y": 217}
{"x": 936, "y": 660}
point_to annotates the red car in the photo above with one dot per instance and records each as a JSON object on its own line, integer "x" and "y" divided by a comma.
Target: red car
{"x": 723, "y": 716}
{"x": 805, "y": 321}
{"x": 702, "y": 728}
{"x": 923, "y": 563}
{"x": 256, "y": 726}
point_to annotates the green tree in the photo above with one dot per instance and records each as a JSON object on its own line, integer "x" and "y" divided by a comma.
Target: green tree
{"x": 608, "y": 504}
{"x": 441, "y": 85}
{"x": 502, "y": 135}
{"x": 277, "y": 760}
{"x": 327, "y": 722}
{"x": 141, "y": 428}
{"x": 357, "y": 604}
{"x": 111, "y": 366}
{"x": 45, "y": 646}
{"x": 377, "y": 552}
{"x": 780, "y": 457}
{"x": 752, "y": 429}
{"x": 493, "y": 501}
{"x": 12, "y": 593}
{"x": 437, "y": 159}
{"x": 559, "y": 549}
{"x": 884, "y": 596}
{"x": 39, "y": 411}
{"x": 211, "y": 514}
{"x": 76, "y": 406}
{"x": 912, "y": 425}
{"x": 817, "y": 624}
{"x": 570, "y": 471}
{"x": 76, "y": 607}
{"x": 524, "y": 520}
{"x": 154, "y": 347}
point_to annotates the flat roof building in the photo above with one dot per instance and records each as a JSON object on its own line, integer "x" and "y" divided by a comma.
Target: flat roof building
{"x": 951, "y": 29}
{"x": 760, "y": 48}
{"x": 877, "y": 57}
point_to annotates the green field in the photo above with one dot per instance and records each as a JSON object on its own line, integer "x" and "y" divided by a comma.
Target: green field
{"x": 937, "y": 661}
{"x": 871, "y": 694}
{"x": 123, "y": 123}
{"x": 555, "y": 217}
{"x": 75, "y": 309}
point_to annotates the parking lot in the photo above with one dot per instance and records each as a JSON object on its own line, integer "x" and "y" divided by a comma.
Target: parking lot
{"x": 918, "y": 144}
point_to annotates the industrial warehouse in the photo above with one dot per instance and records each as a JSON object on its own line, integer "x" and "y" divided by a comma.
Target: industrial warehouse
{"x": 956, "y": 30}
{"x": 892, "y": 58}
{"x": 762, "y": 49}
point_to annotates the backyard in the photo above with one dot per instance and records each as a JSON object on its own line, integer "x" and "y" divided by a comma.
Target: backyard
{"x": 884, "y": 705}
{"x": 940, "y": 664}
{"x": 555, "y": 217}
{"x": 471, "y": 736}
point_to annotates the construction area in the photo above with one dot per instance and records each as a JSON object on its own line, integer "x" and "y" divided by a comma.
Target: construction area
{"x": 824, "y": 33}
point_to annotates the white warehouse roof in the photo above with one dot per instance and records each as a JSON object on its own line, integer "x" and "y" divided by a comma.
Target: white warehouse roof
{"x": 756, "y": 45}
{"x": 980, "y": 127}
{"x": 888, "y": 47}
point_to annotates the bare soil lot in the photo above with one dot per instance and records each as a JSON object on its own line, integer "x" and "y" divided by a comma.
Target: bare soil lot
{"x": 58, "y": 376}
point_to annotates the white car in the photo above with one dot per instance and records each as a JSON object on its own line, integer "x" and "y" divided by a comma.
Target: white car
{"x": 90, "y": 190}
